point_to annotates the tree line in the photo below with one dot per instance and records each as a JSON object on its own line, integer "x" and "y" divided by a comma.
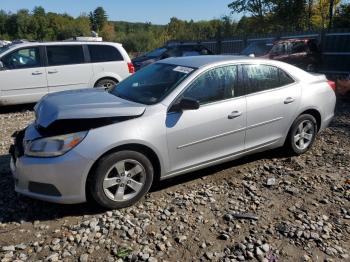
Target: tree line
{"x": 259, "y": 16}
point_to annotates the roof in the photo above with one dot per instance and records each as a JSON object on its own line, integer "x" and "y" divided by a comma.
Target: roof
{"x": 201, "y": 61}
{"x": 72, "y": 42}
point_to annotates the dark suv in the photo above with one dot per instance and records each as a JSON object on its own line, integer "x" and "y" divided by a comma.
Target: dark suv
{"x": 303, "y": 53}
{"x": 171, "y": 50}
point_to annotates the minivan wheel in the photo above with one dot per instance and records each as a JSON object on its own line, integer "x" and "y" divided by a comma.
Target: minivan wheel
{"x": 121, "y": 179}
{"x": 108, "y": 84}
{"x": 302, "y": 134}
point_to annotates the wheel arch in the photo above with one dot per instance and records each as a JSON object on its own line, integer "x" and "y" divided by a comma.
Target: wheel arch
{"x": 316, "y": 114}
{"x": 147, "y": 151}
{"x": 311, "y": 111}
{"x": 105, "y": 77}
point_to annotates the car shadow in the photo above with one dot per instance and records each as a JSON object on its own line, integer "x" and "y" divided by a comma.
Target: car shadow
{"x": 17, "y": 208}
{"x": 16, "y": 108}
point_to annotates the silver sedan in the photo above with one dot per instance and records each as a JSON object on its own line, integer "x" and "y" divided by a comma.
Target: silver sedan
{"x": 170, "y": 118}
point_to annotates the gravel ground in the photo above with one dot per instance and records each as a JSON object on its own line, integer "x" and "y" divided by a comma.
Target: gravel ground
{"x": 266, "y": 207}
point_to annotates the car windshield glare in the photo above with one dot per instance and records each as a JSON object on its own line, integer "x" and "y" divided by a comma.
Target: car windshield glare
{"x": 152, "y": 84}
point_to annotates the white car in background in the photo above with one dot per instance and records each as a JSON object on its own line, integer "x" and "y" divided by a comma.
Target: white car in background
{"x": 28, "y": 71}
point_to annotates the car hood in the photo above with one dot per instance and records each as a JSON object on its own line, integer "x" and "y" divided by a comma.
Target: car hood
{"x": 83, "y": 104}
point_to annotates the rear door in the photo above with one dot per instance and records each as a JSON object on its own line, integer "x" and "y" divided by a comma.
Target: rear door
{"x": 67, "y": 68}
{"x": 272, "y": 102}
{"x": 23, "y": 79}
{"x": 107, "y": 62}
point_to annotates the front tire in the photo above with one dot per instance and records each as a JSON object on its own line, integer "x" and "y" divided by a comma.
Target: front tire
{"x": 302, "y": 134}
{"x": 121, "y": 179}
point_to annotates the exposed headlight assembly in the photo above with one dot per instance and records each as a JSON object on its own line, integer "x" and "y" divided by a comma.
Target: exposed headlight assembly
{"x": 53, "y": 146}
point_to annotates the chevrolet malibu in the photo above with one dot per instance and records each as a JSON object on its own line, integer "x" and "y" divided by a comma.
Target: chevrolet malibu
{"x": 172, "y": 117}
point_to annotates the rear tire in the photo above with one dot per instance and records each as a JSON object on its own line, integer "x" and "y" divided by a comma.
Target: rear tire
{"x": 107, "y": 83}
{"x": 121, "y": 179}
{"x": 301, "y": 135}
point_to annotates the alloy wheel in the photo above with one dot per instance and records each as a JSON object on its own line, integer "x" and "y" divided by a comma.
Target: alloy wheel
{"x": 124, "y": 180}
{"x": 304, "y": 134}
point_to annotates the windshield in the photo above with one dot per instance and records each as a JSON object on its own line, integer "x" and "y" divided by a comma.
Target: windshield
{"x": 156, "y": 52}
{"x": 152, "y": 84}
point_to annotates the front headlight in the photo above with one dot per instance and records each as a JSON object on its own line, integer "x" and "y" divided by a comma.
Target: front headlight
{"x": 53, "y": 146}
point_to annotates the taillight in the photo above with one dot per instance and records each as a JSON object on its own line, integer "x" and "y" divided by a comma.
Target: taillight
{"x": 332, "y": 85}
{"x": 131, "y": 68}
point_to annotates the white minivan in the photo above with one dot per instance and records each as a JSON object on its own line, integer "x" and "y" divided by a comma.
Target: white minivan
{"x": 28, "y": 71}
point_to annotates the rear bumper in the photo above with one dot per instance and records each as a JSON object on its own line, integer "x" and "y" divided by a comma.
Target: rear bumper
{"x": 326, "y": 122}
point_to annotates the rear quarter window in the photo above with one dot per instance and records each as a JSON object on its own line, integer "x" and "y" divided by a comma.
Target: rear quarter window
{"x": 284, "y": 78}
{"x": 104, "y": 53}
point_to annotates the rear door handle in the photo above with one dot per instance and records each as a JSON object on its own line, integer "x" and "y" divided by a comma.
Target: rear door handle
{"x": 53, "y": 72}
{"x": 289, "y": 100}
{"x": 36, "y": 73}
{"x": 234, "y": 114}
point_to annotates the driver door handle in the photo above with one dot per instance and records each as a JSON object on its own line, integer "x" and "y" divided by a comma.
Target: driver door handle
{"x": 36, "y": 73}
{"x": 289, "y": 100}
{"x": 234, "y": 114}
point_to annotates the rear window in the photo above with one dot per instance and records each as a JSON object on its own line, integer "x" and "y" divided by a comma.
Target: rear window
{"x": 65, "y": 55}
{"x": 264, "y": 77}
{"x": 104, "y": 53}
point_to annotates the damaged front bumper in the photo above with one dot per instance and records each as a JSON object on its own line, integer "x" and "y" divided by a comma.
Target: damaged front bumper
{"x": 56, "y": 179}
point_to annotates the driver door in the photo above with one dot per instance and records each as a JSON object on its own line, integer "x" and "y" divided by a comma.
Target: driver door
{"x": 23, "y": 78}
{"x": 214, "y": 131}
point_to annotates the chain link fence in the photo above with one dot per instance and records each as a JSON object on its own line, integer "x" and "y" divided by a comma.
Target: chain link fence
{"x": 334, "y": 45}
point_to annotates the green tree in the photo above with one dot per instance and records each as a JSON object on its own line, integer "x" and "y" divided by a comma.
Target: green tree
{"x": 98, "y": 19}
{"x": 257, "y": 8}
{"x": 342, "y": 16}
{"x": 39, "y": 23}
{"x": 290, "y": 15}
{"x": 3, "y": 19}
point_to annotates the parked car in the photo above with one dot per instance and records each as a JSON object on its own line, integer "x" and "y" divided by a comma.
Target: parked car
{"x": 4, "y": 43}
{"x": 257, "y": 49}
{"x": 28, "y": 71}
{"x": 303, "y": 53}
{"x": 172, "y": 117}
{"x": 171, "y": 50}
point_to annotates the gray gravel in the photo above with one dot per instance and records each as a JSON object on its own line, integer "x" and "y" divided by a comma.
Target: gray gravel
{"x": 267, "y": 207}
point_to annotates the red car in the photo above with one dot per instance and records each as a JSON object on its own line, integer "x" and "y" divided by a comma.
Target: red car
{"x": 303, "y": 53}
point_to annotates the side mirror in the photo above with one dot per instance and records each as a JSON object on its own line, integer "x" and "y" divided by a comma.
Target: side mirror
{"x": 252, "y": 55}
{"x": 185, "y": 104}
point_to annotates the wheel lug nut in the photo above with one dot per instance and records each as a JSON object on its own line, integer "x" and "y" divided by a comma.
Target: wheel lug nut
{"x": 129, "y": 182}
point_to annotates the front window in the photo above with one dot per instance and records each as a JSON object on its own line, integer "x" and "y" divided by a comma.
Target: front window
{"x": 152, "y": 84}
{"x": 215, "y": 85}
{"x": 22, "y": 58}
